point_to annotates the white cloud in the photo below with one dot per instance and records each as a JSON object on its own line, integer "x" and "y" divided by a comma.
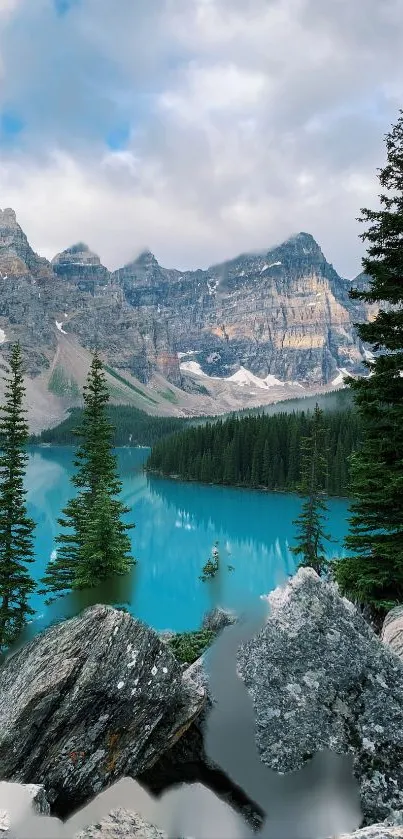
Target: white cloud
{"x": 220, "y": 88}
{"x": 249, "y": 120}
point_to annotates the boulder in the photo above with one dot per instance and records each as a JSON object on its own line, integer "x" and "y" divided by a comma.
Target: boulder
{"x": 392, "y": 630}
{"x": 121, "y": 824}
{"x": 88, "y": 701}
{"x": 319, "y": 679}
{"x": 217, "y": 619}
{"x": 377, "y": 831}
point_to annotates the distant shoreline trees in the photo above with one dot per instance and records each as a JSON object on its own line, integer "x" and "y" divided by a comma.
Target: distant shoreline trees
{"x": 262, "y": 452}
{"x": 130, "y": 427}
{"x": 16, "y": 527}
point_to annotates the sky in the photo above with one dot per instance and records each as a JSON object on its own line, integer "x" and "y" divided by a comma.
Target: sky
{"x": 199, "y": 129}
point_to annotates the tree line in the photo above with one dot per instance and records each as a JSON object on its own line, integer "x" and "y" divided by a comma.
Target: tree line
{"x": 259, "y": 451}
{"x": 130, "y": 427}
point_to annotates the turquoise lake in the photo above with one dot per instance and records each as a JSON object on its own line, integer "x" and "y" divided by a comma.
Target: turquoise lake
{"x": 177, "y": 525}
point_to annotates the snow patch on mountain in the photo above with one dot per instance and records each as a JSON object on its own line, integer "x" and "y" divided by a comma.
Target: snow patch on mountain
{"x": 189, "y": 352}
{"x": 212, "y": 286}
{"x": 271, "y": 381}
{"x": 266, "y": 266}
{"x": 2, "y": 336}
{"x": 192, "y": 367}
{"x": 339, "y": 380}
{"x": 369, "y": 355}
{"x": 244, "y": 378}
{"x": 60, "y": 327}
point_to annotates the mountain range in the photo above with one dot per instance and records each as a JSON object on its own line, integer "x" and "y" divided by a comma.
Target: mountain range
{"x": 255, "y": 329}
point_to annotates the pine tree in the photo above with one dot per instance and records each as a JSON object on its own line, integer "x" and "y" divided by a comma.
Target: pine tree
{"x": 373, "y": 575}
{"x": 96, "y": 545}
{"x": 16, "y": 528}
{"x": 105, "y": 543}
{"x": 311, "y": 533}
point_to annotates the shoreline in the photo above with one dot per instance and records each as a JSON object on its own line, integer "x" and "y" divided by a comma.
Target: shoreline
{"x": 179, "y": 478}
{"x": 261, "y": 489}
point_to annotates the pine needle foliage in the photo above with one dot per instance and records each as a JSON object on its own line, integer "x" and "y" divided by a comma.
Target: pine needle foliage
{"x": 310, "y": 523}
{"x": 16, "y": 527}
{"x": 95, "y": 544}
{"x": 372, "y": 574}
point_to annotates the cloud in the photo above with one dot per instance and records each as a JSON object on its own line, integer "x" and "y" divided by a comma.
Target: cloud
{"x": 198, "y": 128}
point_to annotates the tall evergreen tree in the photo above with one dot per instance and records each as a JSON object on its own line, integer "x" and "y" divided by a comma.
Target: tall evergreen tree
{"x": 373, "y": 575}
{"x": 96, "y": 545}
{"x": 16, "y": 528}
{"x": 309, "y": 544}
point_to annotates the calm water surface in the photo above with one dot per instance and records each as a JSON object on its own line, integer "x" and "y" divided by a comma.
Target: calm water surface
{"x": 177, "y": 525}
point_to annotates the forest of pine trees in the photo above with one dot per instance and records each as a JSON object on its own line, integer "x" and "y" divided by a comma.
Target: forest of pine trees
{"x": 258, "y": 451}
{"x": 131, "y": 427}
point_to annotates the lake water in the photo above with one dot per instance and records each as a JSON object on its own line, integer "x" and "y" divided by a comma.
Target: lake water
{"x": 177, "y": 525}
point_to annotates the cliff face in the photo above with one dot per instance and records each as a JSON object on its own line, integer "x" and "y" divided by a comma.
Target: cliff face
{"x": 284, "y": 312}
{"x": 82, "y": 267}
{"x": 16, "y": 255}
{"x": 22, "y": 304}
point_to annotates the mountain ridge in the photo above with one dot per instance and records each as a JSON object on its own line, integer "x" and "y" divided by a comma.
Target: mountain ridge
{"x": 283, "y": 312}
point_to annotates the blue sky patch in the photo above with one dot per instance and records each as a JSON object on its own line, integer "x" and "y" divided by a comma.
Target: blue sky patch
{"x": 118, "y": 138}
{"x": 63, "y": 6}
{"x": 11, "y": 124}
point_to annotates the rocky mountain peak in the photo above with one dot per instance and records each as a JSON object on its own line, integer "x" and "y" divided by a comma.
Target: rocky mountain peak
{"x": 78, "y": 254}
{"x": 143, "y": 272}
{"x": 282, "y": 314}
{"x": 79, "y": 265}
{"x": 8, "y": 218}
{"x": 305, "y": 238}
{"x": 16, "y": 255}
{"x": 305, "y": 244}
{"x": 146, "y": 259}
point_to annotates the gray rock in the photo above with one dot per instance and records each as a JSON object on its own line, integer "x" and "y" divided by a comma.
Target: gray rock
{"x": 321, "y": 679}
{"x": 124, "y": 825}
{"x": 377, "y": 831}
{"x": 120, "y": 824}
{"x": 88, "y": 701}
{"x": 218, "y": 619}
{"x": 392, "y": 630}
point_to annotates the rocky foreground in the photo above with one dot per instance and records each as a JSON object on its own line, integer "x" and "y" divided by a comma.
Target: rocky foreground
{"x": 101, "y": 697}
